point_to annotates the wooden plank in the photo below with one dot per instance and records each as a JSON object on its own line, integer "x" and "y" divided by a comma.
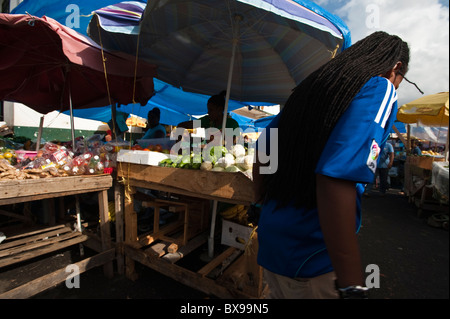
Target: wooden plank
{"x": 157, "y": 249}
{"x": 30, "y": 239}
{"x": 161, "y": 248}
{"x": 184, "y": 276}
{"x": 118, "y": 204}
{"x": 43, "y": 250}
{"x": 145, "y": 240}
{"x": 15, "y": 200}
{"x": 186, "y": 249}
{"x": 216, "y": 261}
{"x": 197, "y": 183}
{"x": 245, "y": 274}
{"x": 37, "y": 244}
{"x": 105, "y": 229}
{"x": 51, "y": 187}
{"x": 178, "y": 191}
{"x": 131, "y": 236}
{"x": 50, "y": 280}
{"x": 38, "y": 231}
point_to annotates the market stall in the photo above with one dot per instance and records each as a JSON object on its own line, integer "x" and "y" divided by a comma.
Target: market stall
{"x": 428, "y": 111}
{"x": 232, "y": 272}
{"x": 52, "y": 67}
{"x": 42, "y": 240}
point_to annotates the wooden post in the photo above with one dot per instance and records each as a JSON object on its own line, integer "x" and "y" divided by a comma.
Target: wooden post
{"x": 118, "y": 204}
{"x": 131, "y": 236}
{"x": 408, "y": 139}
{"x": 105, "y": 230}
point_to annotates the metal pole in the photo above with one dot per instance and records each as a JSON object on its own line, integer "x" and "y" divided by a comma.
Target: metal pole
{"x": 38, "y": 141}
{"x": 237, "y": 19}
{"x": 211, "y": 234}
{"x": 72, "y": 125}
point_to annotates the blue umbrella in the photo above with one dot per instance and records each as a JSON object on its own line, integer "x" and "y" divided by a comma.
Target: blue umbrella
{"x": 259, "y": 50}
{"x": 116, "y": 28}
{"x": 75, "y": 14}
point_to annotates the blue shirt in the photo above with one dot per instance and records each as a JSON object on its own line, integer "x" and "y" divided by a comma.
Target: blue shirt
{"x": 290, "y": 240}
{"x": 151, "y": 131}
{"x": 384, "y": 157}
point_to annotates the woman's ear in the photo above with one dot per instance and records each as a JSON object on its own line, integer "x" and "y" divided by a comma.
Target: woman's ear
{"x": 391, "y": 74}
{"x": 397, "y": 67}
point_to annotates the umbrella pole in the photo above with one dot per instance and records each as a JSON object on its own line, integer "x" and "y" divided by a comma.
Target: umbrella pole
{"x": 237, "y": 19}
{"x": 38, "y": 141}
{"x": 211, "y": 234}
{"x": 446, "y": 149}
{"x": 72, "y": 125}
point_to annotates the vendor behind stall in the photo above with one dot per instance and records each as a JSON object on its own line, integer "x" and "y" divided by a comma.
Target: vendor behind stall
{"x": 416, "y": 148}
{"x": 154, "y": 128}
{"x": 216, "y": 106}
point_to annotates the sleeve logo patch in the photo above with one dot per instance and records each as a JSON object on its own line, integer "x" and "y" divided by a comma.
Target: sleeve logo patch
{"x": 373, "y": 156}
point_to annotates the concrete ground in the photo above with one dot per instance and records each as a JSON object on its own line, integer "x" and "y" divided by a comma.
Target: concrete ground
{"x": 412, "y": 258}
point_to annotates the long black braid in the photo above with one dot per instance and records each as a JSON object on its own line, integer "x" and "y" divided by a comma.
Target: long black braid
{"x": 315, "y": 106}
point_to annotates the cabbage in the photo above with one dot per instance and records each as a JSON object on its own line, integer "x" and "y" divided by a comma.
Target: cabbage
{"x": 218, "y": 151}
{"x": 246, "y": 163}
{"x": 238, "y": 150}
{"x": 225, "y": 161}
{"x": 232, "y": 169}
{"x": 206, "y": 166}
{"x": 218, "y": 169}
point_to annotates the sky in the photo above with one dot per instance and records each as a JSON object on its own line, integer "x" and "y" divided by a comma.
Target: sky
{"x": 423, "y": 24}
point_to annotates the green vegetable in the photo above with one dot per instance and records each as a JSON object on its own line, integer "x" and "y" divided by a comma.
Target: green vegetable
{"x": 218, "y": 151}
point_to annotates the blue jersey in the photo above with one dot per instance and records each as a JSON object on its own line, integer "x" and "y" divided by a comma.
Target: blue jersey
{"x": 290, "y": 240}
{"x": 152, "y": 131}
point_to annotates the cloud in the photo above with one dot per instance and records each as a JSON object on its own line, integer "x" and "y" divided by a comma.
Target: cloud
{"x": 423, "y": 24}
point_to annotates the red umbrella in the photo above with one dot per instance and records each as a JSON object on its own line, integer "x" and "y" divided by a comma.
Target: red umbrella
{"x": 48, "y": 66}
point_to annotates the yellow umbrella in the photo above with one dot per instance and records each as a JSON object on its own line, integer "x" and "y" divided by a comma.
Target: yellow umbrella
{"x": 430, "y": 110}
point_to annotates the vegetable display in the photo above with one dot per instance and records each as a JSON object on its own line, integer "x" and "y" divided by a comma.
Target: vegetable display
{"x": 217, "y": 159}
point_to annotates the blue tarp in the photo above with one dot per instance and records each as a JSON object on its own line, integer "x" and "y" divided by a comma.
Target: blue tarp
{"x": 176, "y": 106}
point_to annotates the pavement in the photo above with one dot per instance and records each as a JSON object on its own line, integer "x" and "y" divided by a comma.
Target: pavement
{"x": 410, "y": 256}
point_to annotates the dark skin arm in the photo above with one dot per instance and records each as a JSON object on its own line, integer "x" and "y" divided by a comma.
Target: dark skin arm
{"x": 336, "y": 202}
{"x": 391, "y": 160}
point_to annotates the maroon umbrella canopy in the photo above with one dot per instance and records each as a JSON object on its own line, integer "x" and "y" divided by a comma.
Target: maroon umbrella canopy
{"x": 43, "y": 63}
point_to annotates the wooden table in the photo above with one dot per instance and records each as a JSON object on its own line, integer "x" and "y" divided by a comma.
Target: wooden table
{"x": 418, "y": 188}
{"x": 243, "y": 277}
{"x": 26, "y": 246}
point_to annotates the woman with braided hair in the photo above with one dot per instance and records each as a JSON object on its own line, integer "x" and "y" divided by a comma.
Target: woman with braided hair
{"x": 330, "y": 133}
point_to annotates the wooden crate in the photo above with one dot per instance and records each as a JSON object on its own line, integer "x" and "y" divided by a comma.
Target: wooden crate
{"x": 222, "y": 186}
{"x": 15, "y": 191}
{"x": 23, "y": 247}
{"x": 425, "y": 162}
{"x": 193, "y": 219}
